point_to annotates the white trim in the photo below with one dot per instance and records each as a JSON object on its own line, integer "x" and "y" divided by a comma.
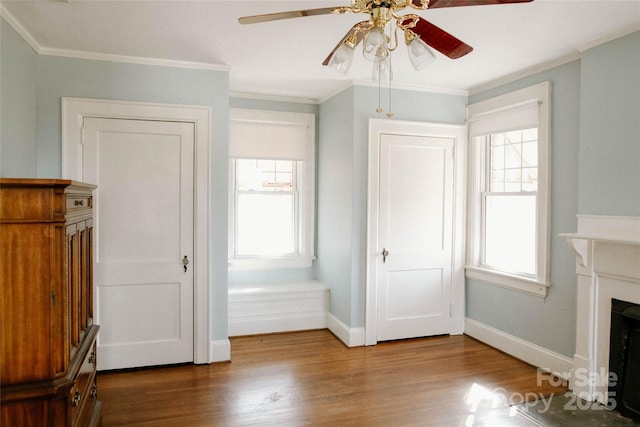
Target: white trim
{"x": 527, "y": 72}
{"x": 606, "y": 38}
{"x": 272, "y": 98}
{"x": 20, "y": 29}
{"x": 607, "y": 250}
{"x": 220, "y": 351}
{"x": 508, "y": 281}
{"x": 94, "y": 56}
{"x": 540, "y": 357}
{"x": 458, "y": 133}
{"x": 73, "y": 112}
{"x": 351, "y": 337}
{"x": 414, "y": 88}
{"x": 67, "y": 53}
{"x": 541, "y": 94}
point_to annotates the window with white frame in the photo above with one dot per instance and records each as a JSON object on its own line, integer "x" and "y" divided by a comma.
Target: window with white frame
{"x": 271, "y": 203}
{"x": 509, "y": 190}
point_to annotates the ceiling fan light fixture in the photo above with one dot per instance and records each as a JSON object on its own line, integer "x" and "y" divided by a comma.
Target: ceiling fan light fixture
{"x": 382, "y": 71}
{"x": 342, "y": 58}
{"x": 375, "y": 47}
{"x": 419, "y": 53}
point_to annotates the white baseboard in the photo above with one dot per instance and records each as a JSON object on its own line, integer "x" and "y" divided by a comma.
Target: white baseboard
{"x": 351, "y": 337}
{"x": 220, "y": 351}
{"x": 540, "y": 357}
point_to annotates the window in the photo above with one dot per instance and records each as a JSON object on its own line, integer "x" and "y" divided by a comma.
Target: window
{"x": 509, "y": 190}
{"x": 271, "y": 215}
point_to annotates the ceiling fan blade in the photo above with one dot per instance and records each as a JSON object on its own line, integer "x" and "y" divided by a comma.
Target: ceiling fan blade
{"x": 291, "y": 14}
{"x": 455, "y": 3}
{"x": 359, "y": 30}
{"x": 436, "y": 37}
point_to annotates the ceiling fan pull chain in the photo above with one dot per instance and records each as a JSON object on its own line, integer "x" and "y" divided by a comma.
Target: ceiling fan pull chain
{"x": 379, "y": 109}
{"x": 389, "y": 112}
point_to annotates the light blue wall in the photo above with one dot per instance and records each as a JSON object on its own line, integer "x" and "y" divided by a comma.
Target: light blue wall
{"x": 595, "y": 170}
{"x": 335, "y": 194}
{"x": 18, "y": 82}
{"x": 64, "y": 77}
{"x": 275, "y": 276}
{"x": 342, "y": 218}
{"x": 549, "y": 322}
{"x": 610, "y": 128}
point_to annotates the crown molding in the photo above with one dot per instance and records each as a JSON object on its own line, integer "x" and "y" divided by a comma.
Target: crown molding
{"x": 574, "y": 56}
{"x": 414, "y": 88}
{"x": 272, "y": 98}
{"x": 41, "y": 50}
{"x": 509, "y": 78}
{"x": 19, "y": 28}
{"x": 133, "y": 59}
{"x": 621, "y": 32}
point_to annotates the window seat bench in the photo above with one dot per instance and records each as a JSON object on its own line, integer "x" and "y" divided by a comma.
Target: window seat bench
{"x": 277, "y": 307}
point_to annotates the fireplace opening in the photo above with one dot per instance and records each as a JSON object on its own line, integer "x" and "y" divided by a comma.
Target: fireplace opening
{"x": 624, "y": 359}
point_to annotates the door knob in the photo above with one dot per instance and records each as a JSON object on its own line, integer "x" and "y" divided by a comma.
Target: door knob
{"x": 385, "y": 254}
{"x": 185, "y": 262}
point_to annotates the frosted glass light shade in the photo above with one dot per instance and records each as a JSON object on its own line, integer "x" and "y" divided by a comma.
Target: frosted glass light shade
{"x": 420, "y": 54}
{"x": 375, "y": 45}
{"x": 342, "y": 59}
{"x": 382, "y": 71}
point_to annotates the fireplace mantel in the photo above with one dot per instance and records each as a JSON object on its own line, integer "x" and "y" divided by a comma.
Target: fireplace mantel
{"x": 607, "y": 250}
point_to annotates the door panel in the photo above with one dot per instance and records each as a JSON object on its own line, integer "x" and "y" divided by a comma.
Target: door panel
{"x": 415, "y": 227}
{"x": 144, "y": 228}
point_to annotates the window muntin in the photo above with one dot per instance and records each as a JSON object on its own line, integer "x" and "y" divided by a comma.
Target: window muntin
{"x": 509, "y": 202}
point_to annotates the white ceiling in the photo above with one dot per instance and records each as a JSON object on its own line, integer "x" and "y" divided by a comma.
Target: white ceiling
{"x": 283, "y": 58}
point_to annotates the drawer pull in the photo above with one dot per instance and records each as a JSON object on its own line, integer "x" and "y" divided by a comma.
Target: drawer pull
{"x": 76, "y": 399}
{"x": 92, "y": 358}
{"x": 79, "y": 203}
{"x": 94, "y": 391}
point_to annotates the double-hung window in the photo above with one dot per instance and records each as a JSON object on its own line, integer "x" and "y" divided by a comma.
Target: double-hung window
{"x": 509, "y": 190}
{"x": 271, "y": 215}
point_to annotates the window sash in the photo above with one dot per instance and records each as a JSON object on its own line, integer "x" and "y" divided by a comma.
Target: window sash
{"x": 515, "y": 237}
{"x": 292, "y": 231}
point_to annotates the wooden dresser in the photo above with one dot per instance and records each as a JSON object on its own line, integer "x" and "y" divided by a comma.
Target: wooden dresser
{"x": 48, "y": 341}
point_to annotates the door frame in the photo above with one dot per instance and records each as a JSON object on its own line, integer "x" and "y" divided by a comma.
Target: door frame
{"x": 377, "y": 128}
{"x": 74, "y": 110}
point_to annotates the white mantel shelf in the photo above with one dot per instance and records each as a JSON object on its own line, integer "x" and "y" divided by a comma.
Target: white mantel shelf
{"x": 607, "y": 250}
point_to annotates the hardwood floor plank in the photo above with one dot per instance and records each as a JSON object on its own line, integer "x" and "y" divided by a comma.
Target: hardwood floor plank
{"x": 311, "y": 379}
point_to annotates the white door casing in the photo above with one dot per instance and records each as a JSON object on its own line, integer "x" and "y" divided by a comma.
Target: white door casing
{"x": 416, "y": 213}
{"x": 74, "y": 112}
{"x": 144, "y": 228}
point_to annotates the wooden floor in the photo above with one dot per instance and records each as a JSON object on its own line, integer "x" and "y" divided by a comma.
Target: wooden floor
{"x": 312, "y": 379}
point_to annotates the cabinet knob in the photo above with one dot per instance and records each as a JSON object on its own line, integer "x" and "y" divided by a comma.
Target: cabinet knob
{"x": 185, "y": 262}
{"x": 76, "y": 399}
{"x": 79, "y": 203}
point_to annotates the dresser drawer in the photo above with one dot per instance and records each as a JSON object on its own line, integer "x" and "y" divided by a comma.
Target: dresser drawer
{"x": 84, "y": 393}
{"x": 78, "y": 201}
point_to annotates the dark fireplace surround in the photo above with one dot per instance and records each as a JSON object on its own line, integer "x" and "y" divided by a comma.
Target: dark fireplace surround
{"x": 624, "y": 359}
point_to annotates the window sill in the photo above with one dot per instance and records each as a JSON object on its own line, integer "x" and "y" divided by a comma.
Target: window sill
{"x": 509, "y": 281}
{"x": 283, "y": 263}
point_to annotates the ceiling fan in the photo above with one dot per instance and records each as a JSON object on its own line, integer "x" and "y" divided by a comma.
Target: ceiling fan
{"x": 419, "y": 33}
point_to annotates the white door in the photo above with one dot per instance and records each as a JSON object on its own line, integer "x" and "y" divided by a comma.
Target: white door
{"x": 415, "y": 233}
{"x": 144, "y": 237}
